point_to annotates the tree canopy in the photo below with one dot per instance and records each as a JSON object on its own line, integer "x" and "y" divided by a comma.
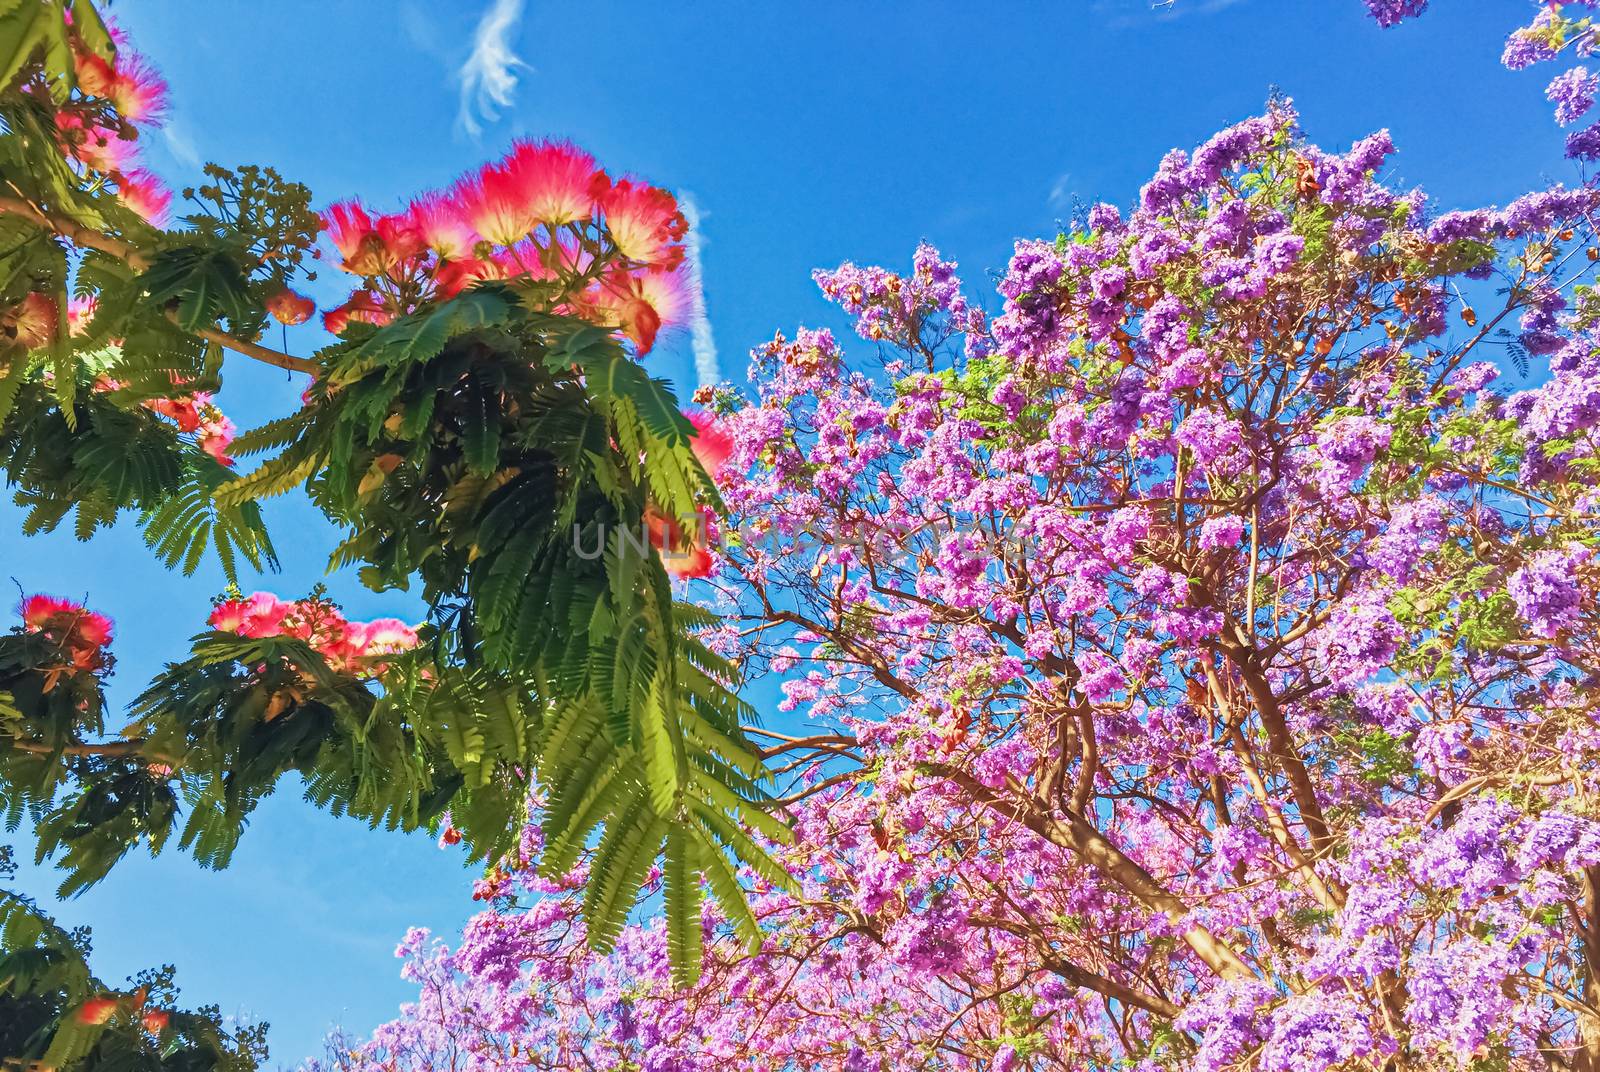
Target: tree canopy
{"x": 1197, "y": 657}
{"x": 483, "y": 430}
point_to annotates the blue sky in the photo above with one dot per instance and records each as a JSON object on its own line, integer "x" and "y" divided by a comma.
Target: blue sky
{"x": 851, "y": 131}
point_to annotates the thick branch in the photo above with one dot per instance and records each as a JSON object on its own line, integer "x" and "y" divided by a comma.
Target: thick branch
{"x": 1281, "y": 744}
{"x": 1082, "y": 977}
{"x": 1587, "y": 1059}
{"x": 1078, "y": 835}
{"x": 112, "y": 749}
{"x": 1088, "y": 980}
{"x": 256, "y": 351}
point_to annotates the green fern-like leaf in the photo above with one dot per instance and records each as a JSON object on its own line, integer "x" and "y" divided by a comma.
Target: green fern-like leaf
{"x": 681, "y": 902}
{"x": 202, "y": 284}
{"x": 274, "y": 477}
{"x": 627, "y": 849}
{"x": 422, "y": 335}
{"x": 179, "y": 530}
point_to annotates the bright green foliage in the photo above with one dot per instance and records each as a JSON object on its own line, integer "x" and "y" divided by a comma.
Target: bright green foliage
{"x": 50, "y": 999}
{"x": 46, "y": 705}
{"x": 28, "y": 28}
{"x": 508, "y": 461}
{"x": 507, "y": 458}
{"x": 242, "y": 712}
{"x": 112, "y": 458}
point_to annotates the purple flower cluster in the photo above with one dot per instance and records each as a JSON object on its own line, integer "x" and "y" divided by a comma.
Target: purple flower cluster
{"x": 1221, "y": 533}
{"x": 1547, "y": 589}
{"x": 1319, "y": 1030}
{"x": 1392, "y": 12}
{"x": 1416, "y": 530}
{"x": 1346, "y": 447}
{"x": 1531, "y": 43}
{"x": 1360, "y": 638}
{"x": 1572, "y": 92}
{"x": 888, "y": 306}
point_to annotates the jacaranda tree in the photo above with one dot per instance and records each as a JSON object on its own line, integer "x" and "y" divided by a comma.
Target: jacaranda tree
{"x": 1199, "y": 657}
{"x": 482, "y": 429}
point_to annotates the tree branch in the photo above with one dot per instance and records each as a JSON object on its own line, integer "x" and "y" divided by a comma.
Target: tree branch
{"x": 113, "y": 749}
{"x": 1082, "y": 977}
{"x": 1281, "y": 746}
{"x": 1088, "y": 980}
{"x": 125, "y": 252}
{"x": 1078, "y": 835}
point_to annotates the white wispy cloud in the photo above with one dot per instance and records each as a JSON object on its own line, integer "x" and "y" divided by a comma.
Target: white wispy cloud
{"x": 180, "y": 145}
{"x": 1134, "y": 14}
{"x": 422, "y": 32}
{"x": 489, "y": 77}
{"x": 1061, "y": 192}
{"x": 706, "y": 369}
